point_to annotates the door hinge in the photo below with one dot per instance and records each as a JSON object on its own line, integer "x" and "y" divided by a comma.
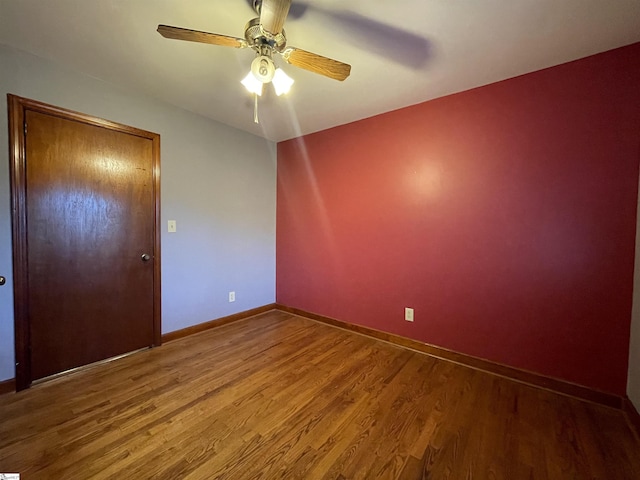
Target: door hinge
{"x": 25, "y": 128}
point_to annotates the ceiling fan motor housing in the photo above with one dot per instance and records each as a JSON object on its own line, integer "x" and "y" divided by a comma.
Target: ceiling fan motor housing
{"x": 257, "y": 37}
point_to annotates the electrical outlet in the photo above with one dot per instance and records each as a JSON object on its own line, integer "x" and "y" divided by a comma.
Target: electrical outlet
{"x": 232, "y": 296}
{"x": 408, "y": 314}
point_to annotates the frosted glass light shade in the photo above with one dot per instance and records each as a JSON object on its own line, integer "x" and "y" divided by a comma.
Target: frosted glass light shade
{"x": 281, "y": 82}
{"x": 252, "y": 84}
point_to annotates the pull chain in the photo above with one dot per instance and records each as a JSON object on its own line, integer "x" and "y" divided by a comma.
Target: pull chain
{"x": 255, "y": 108}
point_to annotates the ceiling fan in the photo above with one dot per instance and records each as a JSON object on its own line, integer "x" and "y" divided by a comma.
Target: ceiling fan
{"x": 266, "y": 36}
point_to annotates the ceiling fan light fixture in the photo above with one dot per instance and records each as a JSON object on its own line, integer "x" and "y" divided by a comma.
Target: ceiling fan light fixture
{"x": 263, "y": 68}
{"x": 281, "y": 82}
{"x": 252, "y": 84}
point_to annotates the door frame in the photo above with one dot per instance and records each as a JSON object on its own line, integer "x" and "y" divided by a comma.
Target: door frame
{"x": 17, "y": 108}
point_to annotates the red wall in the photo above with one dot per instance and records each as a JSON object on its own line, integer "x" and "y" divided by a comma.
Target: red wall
{"x": 504, "y": 215}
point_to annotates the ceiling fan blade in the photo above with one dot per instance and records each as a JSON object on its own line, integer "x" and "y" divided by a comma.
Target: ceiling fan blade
{"x": 178, "y": 33}
{"x": 273, "y": 13}
{"x": 392, "y": 42}
{"x": 297, "y": 10}
{"x": 317, "y": 63}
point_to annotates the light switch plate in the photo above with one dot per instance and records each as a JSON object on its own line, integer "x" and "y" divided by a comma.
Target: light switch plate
{"x": 171, "y": 226}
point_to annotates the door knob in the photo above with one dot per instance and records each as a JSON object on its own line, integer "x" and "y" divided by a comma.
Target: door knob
{"x": 145, "y": 257}
{"x": 2, "y": 280}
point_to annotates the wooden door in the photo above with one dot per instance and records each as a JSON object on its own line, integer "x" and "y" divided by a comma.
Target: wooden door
{"x": 90, "y": 253}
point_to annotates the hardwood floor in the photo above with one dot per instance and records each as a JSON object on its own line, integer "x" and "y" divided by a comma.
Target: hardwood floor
{"x": 278, "y": 396}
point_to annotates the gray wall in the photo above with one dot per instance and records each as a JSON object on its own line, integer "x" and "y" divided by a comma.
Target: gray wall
{"x": 217, "y": 182}
{"x": 633, "y": 380}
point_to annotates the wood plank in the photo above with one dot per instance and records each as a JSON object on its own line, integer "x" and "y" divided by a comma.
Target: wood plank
{"x": 633, "y": 416}
{"x": 280, "y": 396}
{"x": 218, "y": 322}
{"x": 7, "y": 386}
{"x": 515, "y": 374}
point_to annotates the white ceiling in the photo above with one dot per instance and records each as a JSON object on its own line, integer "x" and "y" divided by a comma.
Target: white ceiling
{"x": 401, "y": 52}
